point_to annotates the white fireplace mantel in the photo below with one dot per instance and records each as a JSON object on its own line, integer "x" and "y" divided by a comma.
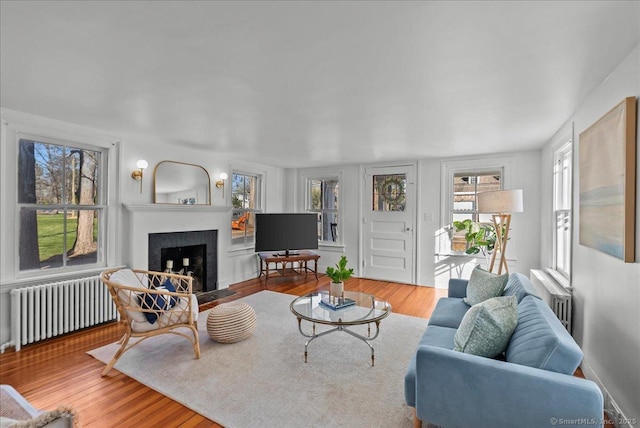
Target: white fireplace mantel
{"x": 140, "y": 220}
{"x": 173, "y": 207}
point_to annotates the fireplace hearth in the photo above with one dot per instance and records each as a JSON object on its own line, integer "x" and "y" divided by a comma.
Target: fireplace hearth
{"x": 191, "y": 252}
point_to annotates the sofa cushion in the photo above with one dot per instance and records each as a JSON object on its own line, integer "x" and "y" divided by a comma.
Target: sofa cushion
{"x": 486, "y": 328}
{"x": 440, "y": 337}
{"x": 484, "y": 285}
{"x": 541, "y": 341}
{"x": 520, "y": 286}
{"x": 448, "y": 312}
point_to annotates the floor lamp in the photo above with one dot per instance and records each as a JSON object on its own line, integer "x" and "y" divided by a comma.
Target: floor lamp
{"x": 500, "y": 203}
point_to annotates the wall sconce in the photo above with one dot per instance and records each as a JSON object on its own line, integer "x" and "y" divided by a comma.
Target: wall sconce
{"x": 220, "y": 183}
{"x": 137, "y": 173}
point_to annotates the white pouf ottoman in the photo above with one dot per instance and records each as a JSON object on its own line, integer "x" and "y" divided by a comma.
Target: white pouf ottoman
{"x": 231, "y": 322}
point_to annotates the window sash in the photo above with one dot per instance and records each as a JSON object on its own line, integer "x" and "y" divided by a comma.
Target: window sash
{"x": 466, "y": 194}
{"x": 328, "y": 231}
{"x": 562, "y": 180}
{"x": 465, "y": 187}
{"x": 243, "y": 216}
{"x": 563, "y": 242}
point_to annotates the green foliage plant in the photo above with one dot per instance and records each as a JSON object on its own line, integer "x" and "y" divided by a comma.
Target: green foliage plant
{"x": 480, "y": 237}
{"x": 340, "y": 273}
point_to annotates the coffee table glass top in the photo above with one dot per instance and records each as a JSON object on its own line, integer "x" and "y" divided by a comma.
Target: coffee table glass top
{"x": 367, "y": 309}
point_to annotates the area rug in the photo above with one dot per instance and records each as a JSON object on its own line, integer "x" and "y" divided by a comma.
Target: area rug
{"x": 264, "y": 382}
{"x": 210, "y": 296}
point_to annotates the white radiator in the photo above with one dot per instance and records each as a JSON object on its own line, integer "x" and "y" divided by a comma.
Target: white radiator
{"x": 43, "y": 311}
{"x": 556, "y": 296}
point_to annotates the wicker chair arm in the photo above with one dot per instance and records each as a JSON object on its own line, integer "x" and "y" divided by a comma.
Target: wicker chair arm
{"x": 132, "y": 302}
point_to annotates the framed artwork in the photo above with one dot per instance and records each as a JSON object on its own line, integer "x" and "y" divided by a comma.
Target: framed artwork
{"x": 607, "y": 172}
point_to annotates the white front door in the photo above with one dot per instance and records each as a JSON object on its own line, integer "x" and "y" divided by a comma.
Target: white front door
{"x": 388, "y": 223}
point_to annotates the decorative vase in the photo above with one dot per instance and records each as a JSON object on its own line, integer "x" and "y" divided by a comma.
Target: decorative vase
{"x": 336, "y": 289}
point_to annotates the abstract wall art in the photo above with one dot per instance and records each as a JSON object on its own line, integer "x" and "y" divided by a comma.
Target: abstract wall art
{"x": 607, "y": 186}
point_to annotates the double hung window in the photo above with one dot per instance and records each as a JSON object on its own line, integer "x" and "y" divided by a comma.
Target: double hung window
{"x": 466, "y": 186}
{"x": 61, "y": 204}
{"x": 562, "y": 195}
{"x": 322, "y": 199}
{"x": 246, "y": 201}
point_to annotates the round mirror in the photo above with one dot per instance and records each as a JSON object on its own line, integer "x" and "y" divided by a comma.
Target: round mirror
{"x": 181, "y": 183}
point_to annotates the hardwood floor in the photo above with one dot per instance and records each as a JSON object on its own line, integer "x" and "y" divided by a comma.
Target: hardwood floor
{"x": 58, "y": 371}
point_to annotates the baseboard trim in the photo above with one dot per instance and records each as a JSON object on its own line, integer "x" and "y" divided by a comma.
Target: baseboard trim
{"x": 610, "y": 406}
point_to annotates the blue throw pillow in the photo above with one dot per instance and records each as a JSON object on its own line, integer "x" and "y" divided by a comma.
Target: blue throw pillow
{"x": 169, "y": 285}
{"x": 157, "y": 302}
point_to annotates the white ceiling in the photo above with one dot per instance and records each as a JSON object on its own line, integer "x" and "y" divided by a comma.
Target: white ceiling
{"x": 315, "y": 83}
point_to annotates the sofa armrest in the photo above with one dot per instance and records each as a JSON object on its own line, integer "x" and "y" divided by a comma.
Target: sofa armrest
{"x": 458, "y": 389}
{"x": 458, "y": 287}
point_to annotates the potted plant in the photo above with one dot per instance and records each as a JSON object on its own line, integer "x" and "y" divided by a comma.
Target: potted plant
{"x": 480, "y": 237}
{"x": 338, "y": 275}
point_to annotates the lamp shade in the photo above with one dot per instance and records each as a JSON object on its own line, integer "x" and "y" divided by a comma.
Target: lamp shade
{"x": 500, "y": 201}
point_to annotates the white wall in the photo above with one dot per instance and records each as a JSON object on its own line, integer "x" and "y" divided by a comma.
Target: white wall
{"x": 606, "y": 311}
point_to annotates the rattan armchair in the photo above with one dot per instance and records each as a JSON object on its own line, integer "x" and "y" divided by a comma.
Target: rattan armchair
{"x": 149, "y": 306}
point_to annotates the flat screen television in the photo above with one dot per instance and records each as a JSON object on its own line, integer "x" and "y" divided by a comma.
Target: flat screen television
{"x": 286, "y": 232}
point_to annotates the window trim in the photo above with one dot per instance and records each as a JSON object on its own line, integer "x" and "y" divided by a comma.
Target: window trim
{"x": 16, "y": 125}
{"x": 261, "y": 176}
{"x": 100, "y": 206}
{"x": 560, "y": 148}
{"x": 448, "y": 169}
{"x": 320, "y": 174}
{"x": 477, "y": 172}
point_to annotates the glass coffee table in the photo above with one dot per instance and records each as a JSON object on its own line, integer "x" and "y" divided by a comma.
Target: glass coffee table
{"x": 366, "y": 309}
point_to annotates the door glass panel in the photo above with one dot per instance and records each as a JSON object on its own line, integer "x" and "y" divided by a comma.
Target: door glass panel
{"x": 389, "y": 192}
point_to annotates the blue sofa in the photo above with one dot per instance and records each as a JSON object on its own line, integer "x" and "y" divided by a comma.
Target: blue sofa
{"x": 531, "y": 385}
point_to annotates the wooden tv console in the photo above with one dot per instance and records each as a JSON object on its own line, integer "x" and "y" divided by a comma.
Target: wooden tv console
{"x": 298, "y": 264}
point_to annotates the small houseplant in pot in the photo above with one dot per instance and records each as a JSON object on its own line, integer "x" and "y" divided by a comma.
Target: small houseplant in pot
{"x": 338, "y": 275}
{"x": 480, "y": 237}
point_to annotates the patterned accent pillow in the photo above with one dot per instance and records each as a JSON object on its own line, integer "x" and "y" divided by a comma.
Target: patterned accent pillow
{"x": 484, "y": 285}
{"x": 487, "y": 327}
{"x": 157, "y": 302}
